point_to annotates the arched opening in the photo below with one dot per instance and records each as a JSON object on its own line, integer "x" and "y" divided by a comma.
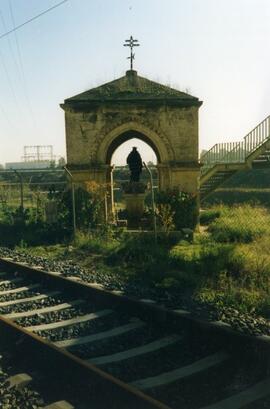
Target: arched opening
{"x": 120, "y": 177}
{"x": 127, "y": 137}
{"x": 119, "y": 156}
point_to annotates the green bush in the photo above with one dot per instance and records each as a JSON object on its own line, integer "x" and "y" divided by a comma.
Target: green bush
{"x": 183, "y": 206}
{"x": 88, "y": 209}
{"x": 26, "y": 225}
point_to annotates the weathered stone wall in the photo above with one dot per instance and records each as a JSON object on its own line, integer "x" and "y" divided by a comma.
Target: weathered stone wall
{"x": 173, "y": 130}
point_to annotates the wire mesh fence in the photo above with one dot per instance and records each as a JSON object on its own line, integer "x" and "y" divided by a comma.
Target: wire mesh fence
{"x": 32, "y": 192}
{"x": 43, "y": 195}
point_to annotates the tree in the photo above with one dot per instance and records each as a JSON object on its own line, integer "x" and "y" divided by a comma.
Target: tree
{"x": 61, "y": 162}
{"x": 52, "y": 164}
{"x": 150, "y": 164}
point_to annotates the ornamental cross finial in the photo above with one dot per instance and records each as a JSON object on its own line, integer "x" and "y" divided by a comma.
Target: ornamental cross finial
{"x": 131, "y": 43}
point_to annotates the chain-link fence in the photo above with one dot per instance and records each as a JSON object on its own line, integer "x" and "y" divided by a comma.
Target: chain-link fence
{"x": 236, "y": 223}
{"x": 240, "y": 206}
{"x": 32, "y": 191}
{"x": 44, "y": 194}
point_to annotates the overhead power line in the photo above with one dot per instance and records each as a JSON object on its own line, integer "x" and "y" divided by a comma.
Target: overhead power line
{"x": 32, "y": 19}
{"x": 6, "y": 69}
{"x": 21, "y": 70}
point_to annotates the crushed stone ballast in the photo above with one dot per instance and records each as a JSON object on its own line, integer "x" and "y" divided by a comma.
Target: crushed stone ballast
{"x": 143, "y": 353}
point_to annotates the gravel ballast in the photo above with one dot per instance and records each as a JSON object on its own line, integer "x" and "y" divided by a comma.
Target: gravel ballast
{"x": 16, "y": 398}
{"x": 246, "y": 323}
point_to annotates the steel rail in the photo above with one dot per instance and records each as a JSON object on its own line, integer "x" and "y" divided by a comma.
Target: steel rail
{"x": 173, "y": 319}
{"x": 121, "y": 393}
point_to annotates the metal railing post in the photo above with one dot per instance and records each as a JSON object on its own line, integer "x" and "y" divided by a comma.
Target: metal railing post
{"x": 73, "y": 201}
{"x": 153, "y": 201}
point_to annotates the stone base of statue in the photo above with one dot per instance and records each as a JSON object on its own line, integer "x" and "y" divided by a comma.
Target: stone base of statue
{"x": 134, "y": 195}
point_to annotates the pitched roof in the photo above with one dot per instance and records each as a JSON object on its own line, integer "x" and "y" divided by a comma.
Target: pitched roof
{"x": 132, "y": 87}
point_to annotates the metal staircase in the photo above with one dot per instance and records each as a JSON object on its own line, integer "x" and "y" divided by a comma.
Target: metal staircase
{"x": 225, "y": 159}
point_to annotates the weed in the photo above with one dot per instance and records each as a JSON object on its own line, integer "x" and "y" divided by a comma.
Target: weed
{"x": 229, "y": 266}
{"x": 22, "y": 244}
{"x": 166, "y": 215}
{"x": 93, "y": 242}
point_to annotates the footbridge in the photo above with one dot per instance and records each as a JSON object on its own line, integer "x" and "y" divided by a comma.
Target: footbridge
{"x": 223, "y": 160}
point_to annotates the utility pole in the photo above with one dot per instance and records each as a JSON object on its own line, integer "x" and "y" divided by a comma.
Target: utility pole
{"x": 152, "y": 200}
{"x": 73, "y": 201}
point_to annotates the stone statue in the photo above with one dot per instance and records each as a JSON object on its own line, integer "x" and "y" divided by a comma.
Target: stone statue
{"x": 135, "y": 164}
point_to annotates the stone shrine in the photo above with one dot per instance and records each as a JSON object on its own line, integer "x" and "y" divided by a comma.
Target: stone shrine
{"x": 98, "y": 121}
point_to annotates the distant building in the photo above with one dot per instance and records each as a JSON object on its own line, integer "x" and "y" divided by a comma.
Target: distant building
{"x": 35, "y": 157}
{"x": 28, "y": 165}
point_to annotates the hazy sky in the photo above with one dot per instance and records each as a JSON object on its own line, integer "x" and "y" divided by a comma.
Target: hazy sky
{"x": 217, "y": 49}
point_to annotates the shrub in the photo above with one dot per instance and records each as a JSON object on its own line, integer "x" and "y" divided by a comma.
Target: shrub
{"x": 13, "y": 216}
{"x": 166, "y": 216}
{"x": 183, "y": 206}
{"x": 89, "y": 204}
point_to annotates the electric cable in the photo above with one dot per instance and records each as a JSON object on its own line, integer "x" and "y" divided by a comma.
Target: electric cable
{"x": 34, "y": 123}
{"x": 32, "y": 19}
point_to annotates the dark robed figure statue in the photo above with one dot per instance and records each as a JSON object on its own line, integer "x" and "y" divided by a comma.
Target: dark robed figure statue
{"x": 135, "y": 164}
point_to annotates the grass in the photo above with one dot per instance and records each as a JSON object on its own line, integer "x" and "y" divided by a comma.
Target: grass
{"x": 232, "y": 196}
{"x": 239, "y": 223}
{"x": 53, "y": 252}
{"x": 243, "y": 276}
{"x": 247, "y": 186}
{"x": 226, "y": 266}
{"x": 95, "y": 242}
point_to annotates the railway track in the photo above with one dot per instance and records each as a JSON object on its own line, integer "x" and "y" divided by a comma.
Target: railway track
{"x": 122, "y": 353}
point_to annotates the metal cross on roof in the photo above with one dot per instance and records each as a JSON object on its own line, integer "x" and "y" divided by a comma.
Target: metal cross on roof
{"x": 131, "y": 43}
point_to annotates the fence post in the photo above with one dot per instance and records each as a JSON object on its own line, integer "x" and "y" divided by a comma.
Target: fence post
{"x": 112, "y": 194}
{"x": 19, "y": 175}
{"x": 73, "y": 202}
{"x": 152, "y": 200}
{"x": 106, "y": 208}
